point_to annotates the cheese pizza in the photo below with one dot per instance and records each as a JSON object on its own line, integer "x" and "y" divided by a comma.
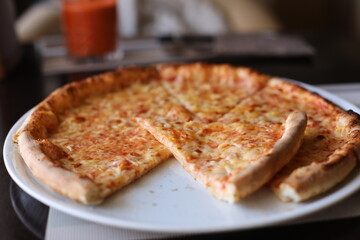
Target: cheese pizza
{"x": 231, "y": 160}
{"x": 81, "y": 141}
{"x": 330, "y": 149}
{"x": 210, "y": 91}
{"x": 331, "y": 143}
{"x": 232, "y": 128}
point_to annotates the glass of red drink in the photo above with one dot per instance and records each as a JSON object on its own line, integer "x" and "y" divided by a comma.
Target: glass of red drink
{"x": 90, "y": 27}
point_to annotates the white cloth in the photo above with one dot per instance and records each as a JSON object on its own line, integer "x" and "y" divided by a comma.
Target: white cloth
{"x": 62, "y": 226}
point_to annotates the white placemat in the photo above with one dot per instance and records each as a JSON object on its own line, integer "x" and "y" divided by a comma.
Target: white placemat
{"x": 62, "y": 226}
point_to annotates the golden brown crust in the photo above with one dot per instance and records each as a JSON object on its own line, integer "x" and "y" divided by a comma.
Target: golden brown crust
{"x": 318, "y": 177}
{"x": 167, "y": 71}
{"x": 256, "y": 175}
{"x": 57, "y": 178}
{"x": 44, "y": 116}
{"x": 32, "y": 135}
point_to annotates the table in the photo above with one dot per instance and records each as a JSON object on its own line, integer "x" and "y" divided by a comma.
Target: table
{"x": 337, "y": 60}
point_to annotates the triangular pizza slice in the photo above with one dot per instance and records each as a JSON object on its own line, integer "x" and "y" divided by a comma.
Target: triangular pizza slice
{"x": 231, "y": 160}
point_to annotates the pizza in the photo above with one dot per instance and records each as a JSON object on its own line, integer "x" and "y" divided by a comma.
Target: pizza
{"x": 231, "y": 160}
{"x": 210, "y": 92}
{"x": 330, "y": 148}
{"x": 232, "y": 128}
{"x": 81, "y": 141}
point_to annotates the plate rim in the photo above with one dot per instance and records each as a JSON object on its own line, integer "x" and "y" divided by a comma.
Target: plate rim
{"x": 319, "y": 204}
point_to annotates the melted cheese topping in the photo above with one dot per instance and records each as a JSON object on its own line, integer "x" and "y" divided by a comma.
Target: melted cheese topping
{"x": 272, "y": 104}
{"x": 210, "y": 92}
{"x": 104, "y": 144}
{"x": 213, "y": 152}
{"x": 240, "y": 120}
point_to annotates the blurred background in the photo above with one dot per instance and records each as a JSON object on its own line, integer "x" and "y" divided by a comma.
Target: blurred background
{"x": 158, "y": 17}
{"x": 322, "y": 27}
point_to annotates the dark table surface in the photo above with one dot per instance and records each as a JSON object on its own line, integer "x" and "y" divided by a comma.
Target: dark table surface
{"x": 337, "y": 60}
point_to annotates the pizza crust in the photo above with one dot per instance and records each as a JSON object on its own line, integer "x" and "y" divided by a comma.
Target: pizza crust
{"x": 243, "y": 180}
{"x": 318, "y": 177}
{"x": 257, "y": 174}
{"x": 41, "y": 121}
{"x": 57, "y": 178}
{"x": 45, "y": 118}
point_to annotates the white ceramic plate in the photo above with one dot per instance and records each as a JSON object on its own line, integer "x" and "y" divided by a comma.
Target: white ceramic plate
{"x": 168, "y": 200}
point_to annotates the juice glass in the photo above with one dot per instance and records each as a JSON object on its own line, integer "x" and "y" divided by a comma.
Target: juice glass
{"x": 90, "y": 27}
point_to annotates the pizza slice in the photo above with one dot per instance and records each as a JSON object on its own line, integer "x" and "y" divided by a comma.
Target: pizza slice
{"x": 231, "y": 160}
{"x": 209, "y": 91}
{"x": 81, "y": 141}
{"x": 330, "y": 148}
